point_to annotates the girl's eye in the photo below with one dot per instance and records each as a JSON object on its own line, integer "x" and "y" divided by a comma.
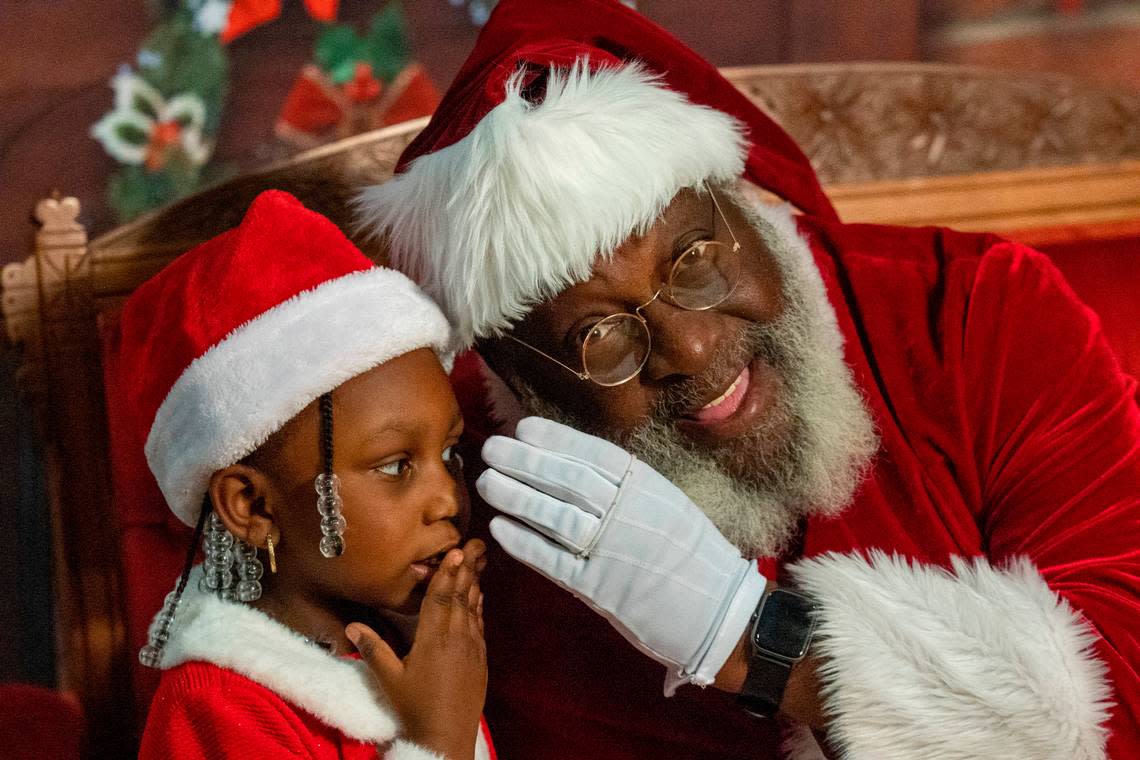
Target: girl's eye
{"x": 447, "y": 454}
{"x": 395, "y": 469}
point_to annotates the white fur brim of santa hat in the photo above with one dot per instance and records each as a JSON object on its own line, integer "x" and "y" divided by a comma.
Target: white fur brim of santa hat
{"x": 231, "y": 399}
{"x": 526, "y": 202}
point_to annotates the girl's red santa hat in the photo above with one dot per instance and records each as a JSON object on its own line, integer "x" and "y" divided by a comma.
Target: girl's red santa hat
{"x": 571, "y": 126}
{"x": 238, "y": 335}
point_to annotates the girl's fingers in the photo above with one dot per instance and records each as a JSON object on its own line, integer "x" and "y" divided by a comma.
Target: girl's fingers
{"x": 381, "y": 660}
{"x": 476, "y": 548}
{"x": 435, "y": 611}
{"x": 465, "y": 578}
{"x": 473, "y": 594}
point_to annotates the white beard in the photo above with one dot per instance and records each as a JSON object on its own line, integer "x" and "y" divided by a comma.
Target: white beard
{"x": 756, "y": 493}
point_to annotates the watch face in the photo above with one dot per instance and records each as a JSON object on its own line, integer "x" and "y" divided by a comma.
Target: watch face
{"x": 784, "y": 626}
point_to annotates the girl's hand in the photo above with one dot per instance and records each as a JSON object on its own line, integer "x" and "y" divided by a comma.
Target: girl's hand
{"x": 439, "y": 688}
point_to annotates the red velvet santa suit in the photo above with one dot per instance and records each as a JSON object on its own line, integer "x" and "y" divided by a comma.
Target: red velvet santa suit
{"x": 238, "y": 684}
{"x": 997, "y": 619}
{"x": 1007, "y": 431}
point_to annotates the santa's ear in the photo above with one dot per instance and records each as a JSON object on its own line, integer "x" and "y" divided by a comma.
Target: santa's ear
{"x": 238, "y": 493}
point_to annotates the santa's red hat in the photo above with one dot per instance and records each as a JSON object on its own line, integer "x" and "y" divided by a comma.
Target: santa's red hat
{"x": 238, "y": 335}
{"x": 571, "y": 126}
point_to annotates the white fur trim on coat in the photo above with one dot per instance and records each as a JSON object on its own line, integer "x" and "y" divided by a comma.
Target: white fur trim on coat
{"x": 522, "y": 207}
{"x": 921, "y": 662}
{"x": 339, "y": 691}
{"x": 245, "y": 388}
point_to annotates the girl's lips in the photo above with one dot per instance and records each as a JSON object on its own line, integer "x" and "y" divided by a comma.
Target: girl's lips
{"x": 423, "y": 571}
{"x": 425, "y": 568}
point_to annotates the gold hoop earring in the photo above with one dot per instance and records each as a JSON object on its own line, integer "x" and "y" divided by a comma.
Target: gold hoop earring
{"x": 272, "y": 556}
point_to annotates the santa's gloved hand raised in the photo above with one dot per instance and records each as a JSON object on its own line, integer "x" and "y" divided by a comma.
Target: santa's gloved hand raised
{"x": 614, "y": 532}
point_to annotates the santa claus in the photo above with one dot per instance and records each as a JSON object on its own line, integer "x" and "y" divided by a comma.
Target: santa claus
{"x": 879, "y": 484}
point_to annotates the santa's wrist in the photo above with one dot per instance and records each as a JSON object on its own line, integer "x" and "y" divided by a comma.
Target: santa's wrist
{"x": 730, "y": 677}
{"x": 725, "y": 640}
{"x": 734, "y": 625}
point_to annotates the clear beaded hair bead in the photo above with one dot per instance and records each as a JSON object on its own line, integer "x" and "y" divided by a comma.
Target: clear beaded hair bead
{"x": 328, "y": 488}
{"x": 249, "y": 573}
{"x": 332, "y": 522}
{"x": 217, "y": 570}
{"x": 232, "y": 569}
{"x": 159, "y": 632}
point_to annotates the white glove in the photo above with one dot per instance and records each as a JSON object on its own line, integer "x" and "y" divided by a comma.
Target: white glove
{"x": 611, "y": 530}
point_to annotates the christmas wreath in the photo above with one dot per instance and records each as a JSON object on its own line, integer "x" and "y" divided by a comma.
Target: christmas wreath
{"x": 168, "y": 106}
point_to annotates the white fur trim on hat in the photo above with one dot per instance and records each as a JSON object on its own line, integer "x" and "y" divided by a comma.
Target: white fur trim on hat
{"x": 245, "y": 388}
{"x": 918, "y": 661}
{"x": 522, "y": 206}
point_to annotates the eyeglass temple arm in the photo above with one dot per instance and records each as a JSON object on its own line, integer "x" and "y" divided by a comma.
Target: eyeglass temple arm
{"x": 723, "y": 218}
{"x": 580, "y": 375}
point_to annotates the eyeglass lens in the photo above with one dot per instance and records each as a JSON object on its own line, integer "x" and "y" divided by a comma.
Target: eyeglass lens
{"x": 704, "y": 276}
{"x": 617, "y": 347}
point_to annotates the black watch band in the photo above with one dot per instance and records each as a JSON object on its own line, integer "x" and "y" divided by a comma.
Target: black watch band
{"x": 764, "y": 687}
{"x": 779, "y": 637}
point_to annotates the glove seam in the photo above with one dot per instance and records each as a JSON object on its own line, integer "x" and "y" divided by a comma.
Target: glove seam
{"x": 586, "y": 550}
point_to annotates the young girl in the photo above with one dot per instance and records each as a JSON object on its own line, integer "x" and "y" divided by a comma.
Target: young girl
{"x": 297, "y": 413}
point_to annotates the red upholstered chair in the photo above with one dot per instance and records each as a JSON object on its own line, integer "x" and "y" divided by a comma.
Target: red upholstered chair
{"x": 39, "y": 724}
{"x": 901, "y": 143}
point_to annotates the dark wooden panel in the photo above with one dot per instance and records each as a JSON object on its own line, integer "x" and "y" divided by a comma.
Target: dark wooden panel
{"x": 726, "y": 32}
{"x": 824, "y": 30}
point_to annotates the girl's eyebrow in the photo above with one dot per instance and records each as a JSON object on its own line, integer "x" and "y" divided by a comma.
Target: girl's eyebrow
{"x": 400, "y": 426}
{"x": 393, "y": 426}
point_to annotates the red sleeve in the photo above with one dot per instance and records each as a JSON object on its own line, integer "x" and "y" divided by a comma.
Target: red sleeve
{"x": 1057, "y": 439}
{"x": 199, "y": 713}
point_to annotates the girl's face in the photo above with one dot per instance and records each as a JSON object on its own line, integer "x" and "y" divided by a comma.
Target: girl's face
{"x": 403, "y": 500}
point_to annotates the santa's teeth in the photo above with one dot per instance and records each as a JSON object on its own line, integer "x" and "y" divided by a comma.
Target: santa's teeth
{"x": 720, "y": 399}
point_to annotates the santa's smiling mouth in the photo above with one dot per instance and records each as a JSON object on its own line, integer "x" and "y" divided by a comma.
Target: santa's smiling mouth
{"x": 725, "y": 405}
{"x": 736, "y": 409}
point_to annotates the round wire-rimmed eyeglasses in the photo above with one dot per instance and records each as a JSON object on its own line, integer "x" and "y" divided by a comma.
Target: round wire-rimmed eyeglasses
{"x": 616, "y": 348}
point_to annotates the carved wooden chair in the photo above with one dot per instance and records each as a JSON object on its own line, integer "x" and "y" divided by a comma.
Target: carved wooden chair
{"x": 1040, "y": 158}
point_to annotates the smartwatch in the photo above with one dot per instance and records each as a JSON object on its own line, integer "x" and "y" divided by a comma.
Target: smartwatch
{"x": 779, "y": 637}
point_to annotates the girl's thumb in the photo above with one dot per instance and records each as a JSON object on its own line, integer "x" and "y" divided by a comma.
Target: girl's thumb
{"x": 376, "y": 653}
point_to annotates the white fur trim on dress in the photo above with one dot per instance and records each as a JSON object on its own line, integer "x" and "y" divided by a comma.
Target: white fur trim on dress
{"x": 339, "y": 691}
{"x": 522, "y": 207}
{"x": 918, "y": 661}
{"x": 245, "y": 388}
{"x": 402, "y": 750}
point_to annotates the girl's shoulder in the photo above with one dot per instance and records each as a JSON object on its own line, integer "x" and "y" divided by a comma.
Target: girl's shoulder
{"x": 202, "y": 710}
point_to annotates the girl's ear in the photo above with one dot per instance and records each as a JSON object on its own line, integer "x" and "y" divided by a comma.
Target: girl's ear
{"x": 239, "y": 494}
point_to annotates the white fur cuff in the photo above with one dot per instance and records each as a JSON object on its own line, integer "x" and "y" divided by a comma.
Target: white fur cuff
{"x": 404, "y": 750}
{"x": 921, "y": 662}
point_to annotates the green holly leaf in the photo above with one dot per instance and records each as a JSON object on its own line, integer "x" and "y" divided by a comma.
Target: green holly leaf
{"x": 131, "y": 134}
{"x": 337, "y": 50}
{"x": 387, "y": 43}
{"x": 133, "y": 190}
{"x": 185, "y": 61}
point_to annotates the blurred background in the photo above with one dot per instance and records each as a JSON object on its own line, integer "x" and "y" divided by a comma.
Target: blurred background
{"x": 128, "y": 104}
